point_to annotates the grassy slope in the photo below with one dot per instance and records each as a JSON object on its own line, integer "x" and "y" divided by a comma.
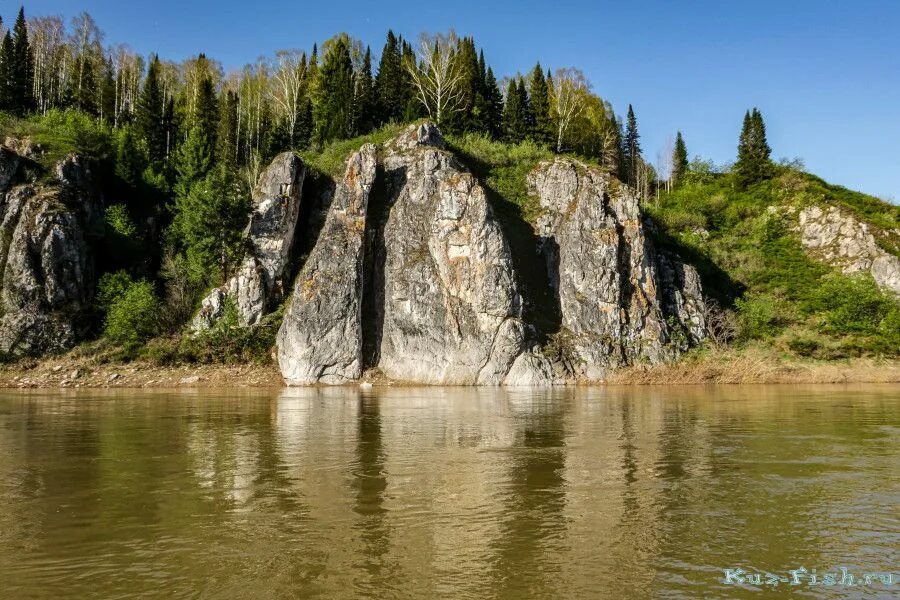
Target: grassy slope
{"x": 752, "y": 262}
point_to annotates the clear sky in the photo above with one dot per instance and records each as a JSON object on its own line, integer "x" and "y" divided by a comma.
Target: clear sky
{"x": 825, "y": 73}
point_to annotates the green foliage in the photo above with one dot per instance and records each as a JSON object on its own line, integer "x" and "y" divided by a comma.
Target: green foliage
{"x": 516, "y": 121}
{"x": 503, "y": 168}
{"x": 61, "y": 132}
{"x": 753, "y": 164}
{"x": 333, "y": 109}
{"x": 194, "y": 161}
{"x": 679, "y": 160}
{"x": 119, "y": 221}
{"x": 110, "y": 288}
{"x": 133, "y": 313}
{"x": 209, "y": 222}
{"x": 745, "y": 245}
{"x": 149, "y": 118}
{"x": 332, "y": 158}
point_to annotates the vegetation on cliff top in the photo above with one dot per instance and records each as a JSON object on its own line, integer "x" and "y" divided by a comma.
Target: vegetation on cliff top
{"x": 177, "y": 145}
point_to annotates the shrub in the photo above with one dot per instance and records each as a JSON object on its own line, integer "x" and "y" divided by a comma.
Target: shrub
{"x": 133, "y": 316}
{"x": 758, "y": 315}
{"x": 853, "y": 304}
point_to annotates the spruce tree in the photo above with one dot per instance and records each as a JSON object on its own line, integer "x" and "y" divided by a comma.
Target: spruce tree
{"x": 494, "y": 105}
{"x": 390, "y": 95}
{"x": 542, "y": 129}
{"x": 679, "y": 160}
{"x": 6, "y": 58}
{"x": 130, "y": 162}
{"x": 334, "y": 109}
{"x": 364, "y": 97}
{"x": 194, "y": 160}
{"x": 632, "y": 147}
{"x": 21, "y": 68}
{"x": 206, "y": 115}
{"x": 149, "y": 114}
{"x": 226, "y": 135}
{"x": 515, "y": 118}
{"x": 753, "y": 163}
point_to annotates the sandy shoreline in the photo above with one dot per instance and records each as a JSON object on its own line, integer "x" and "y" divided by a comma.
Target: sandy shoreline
{"x": 68, "y": 372}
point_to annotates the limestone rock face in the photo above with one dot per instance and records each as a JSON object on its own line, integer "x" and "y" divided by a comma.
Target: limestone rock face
{"x": 842, "y": 241}
{"x": 615, "y": 306}
{"x": 46, "y": 268}
{"x": 447, "y": 307}
{"x": 320, "y": 340}
{"x": 259, "y": 282}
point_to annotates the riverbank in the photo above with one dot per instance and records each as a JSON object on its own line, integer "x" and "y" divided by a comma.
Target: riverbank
{"x": 75, "y": 370}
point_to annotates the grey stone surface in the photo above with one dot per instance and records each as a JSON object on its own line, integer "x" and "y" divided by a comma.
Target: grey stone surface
{"x": 615, "y": 309}
{"x": 320, "y": 340}
{"x": 46, "y": 268}
{"x": 839, "y": 239}
{"x": 259, "y": 283}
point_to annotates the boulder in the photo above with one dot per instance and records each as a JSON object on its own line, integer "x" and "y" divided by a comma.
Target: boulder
{"x": 320, "y": 339}
{"x": 259, "y": 282}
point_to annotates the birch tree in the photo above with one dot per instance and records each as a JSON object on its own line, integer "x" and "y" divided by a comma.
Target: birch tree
{"x": 288, "y": 84}
{"x": 569, "y": 89}
{"x": 437, "y": 77}
{"x": 47, "y": 37}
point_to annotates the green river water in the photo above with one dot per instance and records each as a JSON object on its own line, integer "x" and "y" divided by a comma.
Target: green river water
{"x": 450, "y": 492}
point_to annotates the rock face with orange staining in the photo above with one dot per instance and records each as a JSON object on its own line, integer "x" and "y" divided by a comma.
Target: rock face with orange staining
{"x": 413, "y": 278}
{"x": 320, "y": 340}
{"x": 619, "y": 300}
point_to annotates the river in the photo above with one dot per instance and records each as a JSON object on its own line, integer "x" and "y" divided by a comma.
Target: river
{"x": 449, "y": 492}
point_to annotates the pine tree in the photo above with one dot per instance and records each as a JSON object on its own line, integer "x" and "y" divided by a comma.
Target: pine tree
{"x": 334, "y": 109}
{"x": 364, "y": 98}
{"x": 515, "y": 118}
{"x": 149, "y": 115}
{"x": 542, "y": 130}
{"x": 194, "y": 160}
{"x": 632, "y": 148}
{"x": 390, "y": 95}
{"x": 679, "y": 160}
{"x": 20, "y": 75}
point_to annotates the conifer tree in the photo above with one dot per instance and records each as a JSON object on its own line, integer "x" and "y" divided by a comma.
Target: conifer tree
{"x": 129, "y": 160}
{"x": 494, "y": 105}
{"x": 679, "y": 160}
{"x": 390, "y": 95}
{"x": 226, "y": 136}
{"x": 515, "y": 118}
{"x": 194, "y": 160}
{"x": 334, "y": 109}
{"x": 364, "y": 97}
{"x": 753, "y": 163}
{"x": 542, "y": 130}
{"x": 6, "y": 59}
{"x": 206, "y": 115}
{"x": 631, "y": 149}
{"x": 20, "y": 74}
{"x": 149, "y": 115}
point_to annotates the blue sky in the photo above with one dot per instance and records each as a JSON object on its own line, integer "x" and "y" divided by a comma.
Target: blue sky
{"x": 825, "y": 73}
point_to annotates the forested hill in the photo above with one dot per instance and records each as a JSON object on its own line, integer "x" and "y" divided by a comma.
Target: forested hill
{"x": 166, "y": 155}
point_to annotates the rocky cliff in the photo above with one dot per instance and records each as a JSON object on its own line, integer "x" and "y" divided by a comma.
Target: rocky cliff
{"x": 837, "y": 238}
{"x": 620, "y": 300}
{"x": 413, "y": 278}
{"x": 46, "y": 268}
{"x": 259, "y": 283}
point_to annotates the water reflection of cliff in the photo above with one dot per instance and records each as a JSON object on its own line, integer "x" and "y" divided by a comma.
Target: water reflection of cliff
{"x": 442, "y": 492}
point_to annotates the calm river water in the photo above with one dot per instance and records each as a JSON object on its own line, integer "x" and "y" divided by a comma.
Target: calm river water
{"x": 448, "y": 493}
